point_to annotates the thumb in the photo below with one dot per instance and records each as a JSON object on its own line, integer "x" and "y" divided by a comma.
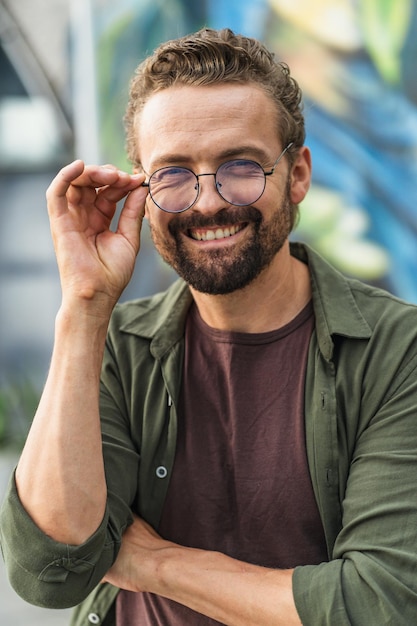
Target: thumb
{"x": 132, "y": 214}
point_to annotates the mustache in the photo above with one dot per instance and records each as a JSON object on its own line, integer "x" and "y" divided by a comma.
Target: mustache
{"x": 225, "y": 217}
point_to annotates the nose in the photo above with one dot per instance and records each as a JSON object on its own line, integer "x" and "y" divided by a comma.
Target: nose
{"x": 209, "y": 201}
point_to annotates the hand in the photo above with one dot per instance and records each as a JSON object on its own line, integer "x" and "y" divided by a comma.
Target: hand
{"x": 134, "y": 567}
{"x": 94, "y": 262}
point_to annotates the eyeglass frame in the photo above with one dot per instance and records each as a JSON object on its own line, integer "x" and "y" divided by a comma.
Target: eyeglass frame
{"x": 266, "y": 173}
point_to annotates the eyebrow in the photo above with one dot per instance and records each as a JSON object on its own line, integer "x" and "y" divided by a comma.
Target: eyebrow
{"x": 230, "y": 153}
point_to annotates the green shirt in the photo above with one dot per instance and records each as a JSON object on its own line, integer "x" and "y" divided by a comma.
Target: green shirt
{"x": 361, "y": 433}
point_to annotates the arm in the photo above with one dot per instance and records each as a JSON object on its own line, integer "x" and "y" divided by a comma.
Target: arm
{"x": 60, "y": 476}
{"x": 230, "y": 591}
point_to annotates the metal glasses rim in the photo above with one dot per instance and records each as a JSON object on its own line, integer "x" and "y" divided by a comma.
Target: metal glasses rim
{"x": 197, "y": 176}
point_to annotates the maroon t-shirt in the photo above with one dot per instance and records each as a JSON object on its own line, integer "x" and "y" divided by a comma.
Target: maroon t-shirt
{"x": 240, "y": 482}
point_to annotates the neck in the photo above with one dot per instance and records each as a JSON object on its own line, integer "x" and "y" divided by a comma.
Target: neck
{"x": 272, "y": 300}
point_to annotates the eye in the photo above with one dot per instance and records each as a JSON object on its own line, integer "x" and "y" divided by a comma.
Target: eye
{"x": 241, "y": 168}
{"x": 170, "y": 178}
{"x": 168, "y": 175}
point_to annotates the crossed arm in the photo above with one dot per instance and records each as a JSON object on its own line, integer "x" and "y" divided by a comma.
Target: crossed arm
{"x": 230, "y": 591}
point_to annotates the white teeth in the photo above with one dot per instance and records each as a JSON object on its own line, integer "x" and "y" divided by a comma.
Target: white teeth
{"x": 219, "y": 233}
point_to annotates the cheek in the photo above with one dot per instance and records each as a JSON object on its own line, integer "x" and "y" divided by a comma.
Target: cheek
{"x": 272, "y": 199}
{"x": 152, "y": 213}
{"x": 158, "y": 220}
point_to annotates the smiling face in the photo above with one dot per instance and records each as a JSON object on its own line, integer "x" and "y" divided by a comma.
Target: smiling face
{"x": 215, "y": 246}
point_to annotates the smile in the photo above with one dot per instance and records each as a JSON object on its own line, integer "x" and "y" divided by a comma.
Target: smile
{"x": 217, "y": 233}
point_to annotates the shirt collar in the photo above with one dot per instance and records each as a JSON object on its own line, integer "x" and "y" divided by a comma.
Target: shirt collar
{"x": 335, "y": 307}
{"x": 161, "y": 317}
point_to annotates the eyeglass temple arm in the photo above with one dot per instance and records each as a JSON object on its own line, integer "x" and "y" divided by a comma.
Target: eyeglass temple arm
{"x": 278, "y": 159}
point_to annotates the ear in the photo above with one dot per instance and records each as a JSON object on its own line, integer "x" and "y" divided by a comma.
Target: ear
{"x": 300, "y": 175}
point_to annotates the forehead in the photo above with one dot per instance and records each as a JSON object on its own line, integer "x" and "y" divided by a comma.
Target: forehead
{"x": 194, "y": 120}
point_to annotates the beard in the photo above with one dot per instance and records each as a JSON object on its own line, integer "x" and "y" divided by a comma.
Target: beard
{"x": 225, "y": 270}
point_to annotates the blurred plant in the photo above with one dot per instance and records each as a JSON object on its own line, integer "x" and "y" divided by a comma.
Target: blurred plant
{"x": 18, "y": 402}
{"x": 339, "y": 233}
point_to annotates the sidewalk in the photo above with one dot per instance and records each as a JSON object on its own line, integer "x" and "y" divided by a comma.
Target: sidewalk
{"x": 13, "y": 610}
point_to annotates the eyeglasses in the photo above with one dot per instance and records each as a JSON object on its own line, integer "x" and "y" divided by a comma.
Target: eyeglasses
{"x": 239, "y": 182}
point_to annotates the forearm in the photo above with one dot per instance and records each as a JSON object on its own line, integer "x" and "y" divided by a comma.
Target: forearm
{"x": 60, "y": 476}
{"x": 232, "y": 592}
{"x": 211, "y": 583}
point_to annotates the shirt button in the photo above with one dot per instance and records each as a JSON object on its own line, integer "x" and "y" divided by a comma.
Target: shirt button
{"x": 161, "y": 471}
{"x": 93, "y": 618}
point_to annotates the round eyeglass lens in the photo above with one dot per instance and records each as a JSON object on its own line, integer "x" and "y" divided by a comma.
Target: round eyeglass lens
{"x": 240, "y": 182}
{"x": 173, "y": 189}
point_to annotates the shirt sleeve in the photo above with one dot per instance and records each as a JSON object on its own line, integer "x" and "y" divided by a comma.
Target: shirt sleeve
{"x": 45, "y": 572}
{"x": 372, "y": 575}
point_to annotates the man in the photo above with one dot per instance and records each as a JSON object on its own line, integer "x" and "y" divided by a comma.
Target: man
{"x": 260, "y": 415}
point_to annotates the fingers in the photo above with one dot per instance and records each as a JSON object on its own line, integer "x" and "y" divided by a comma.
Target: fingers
{"x": 109, "y": 195}
{"x": 102, "y": 186}
{"x": 57, "y": 190}
{"x": 65, "y": 177}
{"x": 100, "y": 177}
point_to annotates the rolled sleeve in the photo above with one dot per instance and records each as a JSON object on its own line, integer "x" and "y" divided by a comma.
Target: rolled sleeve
{"x": 51, "y": 574}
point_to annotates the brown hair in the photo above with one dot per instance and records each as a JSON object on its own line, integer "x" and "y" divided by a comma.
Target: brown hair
{"x": 208, "y": 57}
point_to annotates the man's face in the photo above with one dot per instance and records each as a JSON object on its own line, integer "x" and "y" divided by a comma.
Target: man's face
{"x": 214, "y": 246}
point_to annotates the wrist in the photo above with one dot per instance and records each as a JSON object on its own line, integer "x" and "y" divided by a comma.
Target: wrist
{"x": 78, "y": 314}
{"x": 81, "y": 332}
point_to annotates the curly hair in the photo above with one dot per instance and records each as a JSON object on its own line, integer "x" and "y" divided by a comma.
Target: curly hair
{"x": 210, "y": 57}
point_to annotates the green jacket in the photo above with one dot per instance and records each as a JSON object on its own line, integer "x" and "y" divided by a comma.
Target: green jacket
{"x": 361, "y": 431}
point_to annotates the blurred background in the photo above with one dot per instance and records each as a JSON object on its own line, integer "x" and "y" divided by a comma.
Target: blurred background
{"x": 65, "y": 66}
